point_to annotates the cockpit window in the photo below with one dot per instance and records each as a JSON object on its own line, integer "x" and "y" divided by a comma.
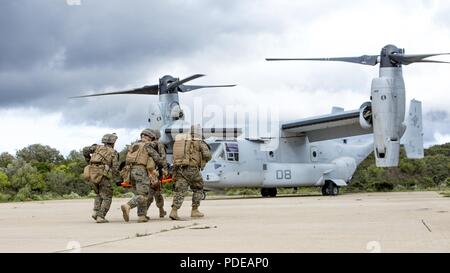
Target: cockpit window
{"x": 232, "y": 150}
{"x": 214, "y": 146}
{"x": 217, "y": 150}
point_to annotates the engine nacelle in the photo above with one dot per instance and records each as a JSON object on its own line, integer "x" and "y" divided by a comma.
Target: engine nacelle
{"x": 388, "y": 112}
{"x": 365, "y": 115}
{"x": 156, "y": 116}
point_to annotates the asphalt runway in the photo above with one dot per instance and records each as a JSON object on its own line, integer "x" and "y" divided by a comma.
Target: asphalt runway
{"x": 369, "y": 222}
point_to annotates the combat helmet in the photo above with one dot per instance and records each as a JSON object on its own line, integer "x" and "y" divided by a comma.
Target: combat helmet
{"x": 109, "y": 138}
{"x": 156, "y": 133}
{"x": 148, "y": 132}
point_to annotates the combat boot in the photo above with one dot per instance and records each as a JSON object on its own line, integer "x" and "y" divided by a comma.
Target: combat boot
{"x": 142, "y": 219}
{"x": 195, "y": 212}
{"x": 162, "y": 213}
{"x": 101, "y": 220}
{"x": 126, "y": 212}
{"x": 94, "y": 215}
{"x": 174, "y": 214}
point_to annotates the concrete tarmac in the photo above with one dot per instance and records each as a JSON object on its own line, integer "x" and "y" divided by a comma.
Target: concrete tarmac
{"x": 369, "y": 222}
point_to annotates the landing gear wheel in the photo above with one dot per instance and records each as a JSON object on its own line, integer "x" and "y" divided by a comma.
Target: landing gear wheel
{"x": 268, "y": 192}
{"x": 203, "y": 195}
{"x": 334, "y": 190}
{"x": 324, "y": 190}
{"x": 273, "y": 192}
{"x": 330, "y": 189}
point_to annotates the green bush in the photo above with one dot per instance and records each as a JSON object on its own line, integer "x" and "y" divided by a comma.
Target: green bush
{"x": 430, "y": 172}
{"x": 24, "y": 194}
{"x": 91, "y": 194}
{"x": 61, "y": 181}
{"x": 40, "y": 153}
{"x": 5, "y": 159}
{"x": 28, "y": 176}
{"x": 49, "y": 196}
{"x": 72, "y": 195}
{"x": 118, "y": 191}
{"x": 243, "y": 191}
{"x": 167, "y": 189}
{"x": 4, "y": 197}
{"x": 4, "y": 182}
{"x": 382, "y": 186}
{"x": 426, "y": 182}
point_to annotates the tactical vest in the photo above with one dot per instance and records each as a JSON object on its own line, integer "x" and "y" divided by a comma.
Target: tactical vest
{"x": 103, "y": 155}
{"x": 187, "y": 151}
{"x": 138, "y": 155}
{"x": 99, "y": 165}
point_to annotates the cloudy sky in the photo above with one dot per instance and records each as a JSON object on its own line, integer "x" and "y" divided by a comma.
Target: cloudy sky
{"x": 50, "y": 50}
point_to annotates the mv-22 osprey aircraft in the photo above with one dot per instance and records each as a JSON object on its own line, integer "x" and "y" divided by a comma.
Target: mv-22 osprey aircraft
{"x": 309, "y": 152}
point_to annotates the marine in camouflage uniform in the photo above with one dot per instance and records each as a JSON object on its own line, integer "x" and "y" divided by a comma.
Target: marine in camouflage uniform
{"x": 139, "y": 176}
{"x": 103, "y": 189}
{"x": 188, "y": 174}
{"x": 155, "y": 193}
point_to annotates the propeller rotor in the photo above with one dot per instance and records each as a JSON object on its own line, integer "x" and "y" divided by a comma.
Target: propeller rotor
{"x": 390, "y": 56}
{"x": 168, "y": 84}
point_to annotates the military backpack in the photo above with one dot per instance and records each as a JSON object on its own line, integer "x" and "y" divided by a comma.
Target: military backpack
{"x": 186, "y": 151}
{"x": 99, "y": 165}
{"x": 137, "y": 155}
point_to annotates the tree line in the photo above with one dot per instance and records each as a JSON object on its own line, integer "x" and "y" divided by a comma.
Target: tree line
{"x": 430, "y": 172}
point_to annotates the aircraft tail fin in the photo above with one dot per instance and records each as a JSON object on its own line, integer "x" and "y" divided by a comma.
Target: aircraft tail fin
{"x": 412, "y": 139}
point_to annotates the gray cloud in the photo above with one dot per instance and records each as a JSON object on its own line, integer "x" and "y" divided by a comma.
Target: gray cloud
{"x": 51, "y": 50}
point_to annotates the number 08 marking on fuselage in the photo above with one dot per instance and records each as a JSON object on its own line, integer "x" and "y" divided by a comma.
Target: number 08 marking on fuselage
{"x": 283, "y": 174}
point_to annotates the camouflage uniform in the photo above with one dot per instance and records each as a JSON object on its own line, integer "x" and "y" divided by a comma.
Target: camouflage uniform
{"x": 104, "y": 189}
{"x": 189, "y": 176}
{"x": 155, "y": 193}
{"x": 141, "y": 182}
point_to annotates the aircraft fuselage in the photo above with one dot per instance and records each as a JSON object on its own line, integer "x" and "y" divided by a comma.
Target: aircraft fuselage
{"x": 295, "y": 163}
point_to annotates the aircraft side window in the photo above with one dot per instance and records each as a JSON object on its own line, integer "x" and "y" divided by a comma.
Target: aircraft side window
{"x": 232, "y": 150}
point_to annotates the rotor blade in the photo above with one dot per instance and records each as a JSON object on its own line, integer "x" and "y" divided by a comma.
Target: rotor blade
{"x": 188, "y": 88}
{"x": 180, "y": 82}
{"x": 429, "y": 61}
{"x": 415, "y": 58}
{"x": 146, "y": 90}
{"x": 364, "y": 59}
